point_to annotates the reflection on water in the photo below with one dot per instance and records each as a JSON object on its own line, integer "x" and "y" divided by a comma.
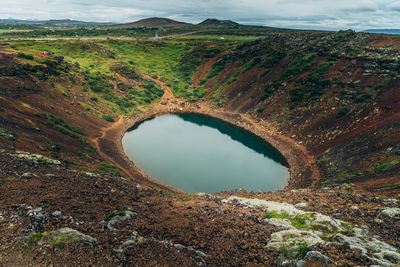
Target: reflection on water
{"x": 197, "y": 153}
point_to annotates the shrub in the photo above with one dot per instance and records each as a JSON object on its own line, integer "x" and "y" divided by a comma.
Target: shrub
{"x": 108, "y": 118}
{"x": 217, "y": 68}
{"x": 298, "y": 65}
{"x": 343, "y": 111}
{"x": 114, "y": 214}
{"x": 25, "y": 56}
{"x": 90, "y": 148}
{"x": 304, "y": 93}
{"x": 251, "y": 64}
{"x": 364, "y": 97}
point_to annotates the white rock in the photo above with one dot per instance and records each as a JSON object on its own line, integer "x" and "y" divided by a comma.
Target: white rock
{"x": 292, "y": 239}
{"x": 321, "y": 226}
{"x": 391, "y": 212}
{"x": 301, "y": 205}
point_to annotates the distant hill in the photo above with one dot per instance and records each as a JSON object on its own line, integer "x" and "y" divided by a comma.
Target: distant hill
{"x": 384, "y": 31}
{"x": 153, "y": 22}
{"x": 53, "y": 23}
{"x": 216, "y": 22}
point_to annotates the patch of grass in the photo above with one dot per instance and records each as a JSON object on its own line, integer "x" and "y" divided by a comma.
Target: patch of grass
{"x": 59, "y": 241}
{"x": 277, "y": 215}
{"x": 251, "y": 64}
{"x": 363, "y": 97}
{"x": 35, "y": 237}
{"x": 300, "y": 221}
{"x": 343, "y": 111}
{"x": 108, "y": 118}
{"x": 105, "y": 167}
{"x": 25, "y": 56}
{"x": 90, "y": 149}
{"x": 304, "y": 93}
{"x": 302, "y": 248}
{"x": 298, "y": 65}
{"x": 114, "y": 214}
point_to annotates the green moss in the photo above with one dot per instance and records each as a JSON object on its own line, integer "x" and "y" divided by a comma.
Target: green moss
{"x": 277, "y": 215}
{"x": 35, "y": 237}
{"x": 301, "y": 221}
{"x": 105, "y": 167}
{"x": 59, "y": 241}
{"x": 114, "y": 214}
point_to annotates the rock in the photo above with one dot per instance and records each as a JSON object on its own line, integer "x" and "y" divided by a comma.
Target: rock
{"x": 305, "y": 229}
{"x": 1, "y": 218}
{"x": 354, "y": 208}
{"x": 301, "y": 263}
{"x": 36, "y": 217}
{"x": 391, "y": 256}
{"x": 301, "y": 205}
{"x": 57, "y": 214}
{"x": 292, "y": 239}
{"x": 28, "y": 175}
{"x": 132, "y": 240}
{"x": 125, "y": 245}
{"x": 128, "y": 215}
{"x": 391, "y": 212}
{"x": 69, "y": 235}
{"x": 317, "y": 258}
{"x": 390, "y": 201}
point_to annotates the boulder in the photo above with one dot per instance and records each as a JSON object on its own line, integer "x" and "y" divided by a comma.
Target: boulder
{"x": 68, "y": 235}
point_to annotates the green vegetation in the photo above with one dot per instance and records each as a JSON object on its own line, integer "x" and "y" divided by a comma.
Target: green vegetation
{"x": 25, "y": 56}
{"x": 303, "y": 93}
{"x": 4, "y": 133}
{"x": 34, "y": 237}
{"x": 363, "y": 97}
{"x": 343, "y": 111}
{"x": 276, "y": 214}
{"x": 105, "y": 167}
{"x": 108, "y": 118}
{"x": 60, "y": 125}
{"x": 90, "y": 149}
{"x": 298, "y": 65}
{"x": 251, "y": 64}
{"x": 300, "y": 221}
{"x": 383, "y": 165}
{"x": 115, "y": 213}
{"x": 217, "y": 37}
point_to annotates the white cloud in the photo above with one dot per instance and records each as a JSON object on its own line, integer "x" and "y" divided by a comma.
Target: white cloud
{"x": 314, "y": 14}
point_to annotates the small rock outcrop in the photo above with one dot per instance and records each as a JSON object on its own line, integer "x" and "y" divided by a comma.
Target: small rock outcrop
{"x": 391, "y": 212}
{"x": 68, "y": 235}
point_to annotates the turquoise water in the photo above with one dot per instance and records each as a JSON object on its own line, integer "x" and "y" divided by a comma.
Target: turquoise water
{"x": 197, "y": 153}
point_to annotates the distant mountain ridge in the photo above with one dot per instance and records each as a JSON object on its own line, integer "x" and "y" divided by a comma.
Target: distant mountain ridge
{"x": 216, "y": 22}
{"x": 384, "y": 31}
{"x": 153, "y": 22}
{"x": 53, "y": 23}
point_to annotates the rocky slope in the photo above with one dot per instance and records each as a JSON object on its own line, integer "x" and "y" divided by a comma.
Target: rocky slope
{"x": 68, "y": 199}
{"x": 337, "y": 94}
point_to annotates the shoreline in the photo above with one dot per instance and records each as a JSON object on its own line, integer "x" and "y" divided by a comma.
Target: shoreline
{"x": 302, "y": 170}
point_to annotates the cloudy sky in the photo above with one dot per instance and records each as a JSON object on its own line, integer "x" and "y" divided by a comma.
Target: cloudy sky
{"x": 305, "y": 14}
